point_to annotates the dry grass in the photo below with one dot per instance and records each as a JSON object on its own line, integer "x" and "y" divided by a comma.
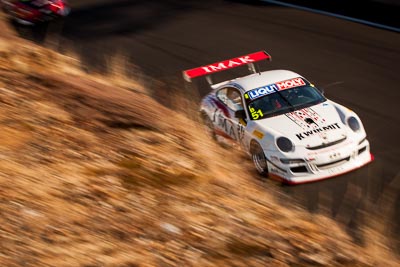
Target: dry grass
{"x": 93, "y": 174}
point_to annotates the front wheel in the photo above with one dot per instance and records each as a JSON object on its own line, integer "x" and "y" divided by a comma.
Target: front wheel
{"x": 259, "y": 159}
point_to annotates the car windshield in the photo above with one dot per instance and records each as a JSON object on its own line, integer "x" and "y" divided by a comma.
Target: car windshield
{"x": 283, "y": 101}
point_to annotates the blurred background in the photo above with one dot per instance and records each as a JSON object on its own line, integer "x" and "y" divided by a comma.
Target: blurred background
{"x": 104, "y": 161}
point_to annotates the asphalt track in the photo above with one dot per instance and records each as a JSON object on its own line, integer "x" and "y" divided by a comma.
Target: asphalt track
{"x": 357, "y": 65}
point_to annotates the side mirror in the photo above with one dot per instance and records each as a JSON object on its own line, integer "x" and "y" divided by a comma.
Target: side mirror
{"x": 240, "y": 114}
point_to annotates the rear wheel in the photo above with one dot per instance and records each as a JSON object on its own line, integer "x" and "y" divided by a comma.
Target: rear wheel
{"x": 259, "y": 159}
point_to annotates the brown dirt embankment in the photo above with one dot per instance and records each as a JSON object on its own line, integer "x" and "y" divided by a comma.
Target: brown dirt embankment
{"x": 93, "y": 172}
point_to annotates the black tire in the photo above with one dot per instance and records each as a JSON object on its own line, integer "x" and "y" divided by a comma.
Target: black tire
{"x": 259, "y": 159}
{"x": 209, "y": 126}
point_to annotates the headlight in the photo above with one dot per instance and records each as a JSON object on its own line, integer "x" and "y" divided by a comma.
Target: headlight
{"x": 284, "y": 144}
{"x": 354, "y": 124}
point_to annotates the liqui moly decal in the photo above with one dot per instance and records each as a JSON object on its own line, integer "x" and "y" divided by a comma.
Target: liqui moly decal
{"x": 224, "y": 65}
{"x": 272, "y": 88}
{"x": 290, "y": 83}
{"x": 262, "y": 91}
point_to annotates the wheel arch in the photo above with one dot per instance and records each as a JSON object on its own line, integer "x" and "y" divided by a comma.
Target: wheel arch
{"x": 253, "y": 144}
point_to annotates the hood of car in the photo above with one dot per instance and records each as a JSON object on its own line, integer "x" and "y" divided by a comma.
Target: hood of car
{"x": 310, "y": 127}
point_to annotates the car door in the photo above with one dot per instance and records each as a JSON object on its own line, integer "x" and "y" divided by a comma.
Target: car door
{"x": 226, "y": 124}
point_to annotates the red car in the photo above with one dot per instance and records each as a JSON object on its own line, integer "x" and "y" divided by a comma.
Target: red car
{"x": 36, "y": 11}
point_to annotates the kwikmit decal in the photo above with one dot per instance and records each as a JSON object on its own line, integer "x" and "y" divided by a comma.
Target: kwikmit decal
{"x": 271, "y": 88}
{"x": 317, "y": 130}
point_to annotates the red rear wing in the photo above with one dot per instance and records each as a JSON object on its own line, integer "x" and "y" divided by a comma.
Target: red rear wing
{"x": 225, "y": 65}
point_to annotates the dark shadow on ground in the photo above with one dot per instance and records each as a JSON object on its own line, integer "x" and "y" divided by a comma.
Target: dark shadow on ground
{"x": 122, "y": 17}
{"x": 99, "y": 31}
{"x": 93, "y": 31}
{"x": 381, "y": 12}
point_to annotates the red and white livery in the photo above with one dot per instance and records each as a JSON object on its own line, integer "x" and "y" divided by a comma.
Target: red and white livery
{"x": 287, "y": 126}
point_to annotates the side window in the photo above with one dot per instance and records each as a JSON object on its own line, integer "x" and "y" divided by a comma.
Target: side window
{"x": 231, "y": 97}
{"x": 221, "y": 94}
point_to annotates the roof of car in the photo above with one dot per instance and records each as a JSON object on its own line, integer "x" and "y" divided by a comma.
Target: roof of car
{"x": 256, "y": 80}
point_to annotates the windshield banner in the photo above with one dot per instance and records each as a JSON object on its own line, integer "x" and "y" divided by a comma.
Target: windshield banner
{"x": 272, "y": 88}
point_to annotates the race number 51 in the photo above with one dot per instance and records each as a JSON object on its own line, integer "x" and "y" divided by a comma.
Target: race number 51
{"x": 256, "y": 114}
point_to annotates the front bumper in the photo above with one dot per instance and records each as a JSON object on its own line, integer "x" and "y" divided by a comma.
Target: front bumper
{"x": 324, "y": 163}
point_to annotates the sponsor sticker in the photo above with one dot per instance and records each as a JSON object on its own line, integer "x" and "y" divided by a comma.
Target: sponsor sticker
{"x": 274, "y": 159}
{"x": 262, "y": 91}
{"x": 290, "y": 83}
{"x": 226, "y": 64}
{"x": 272, "y": 88}
{"x": 318, "y": 130}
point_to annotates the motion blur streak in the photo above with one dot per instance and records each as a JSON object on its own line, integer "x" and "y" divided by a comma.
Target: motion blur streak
{"x": 357, "y": 65}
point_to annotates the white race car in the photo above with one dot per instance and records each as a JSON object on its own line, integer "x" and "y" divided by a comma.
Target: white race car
{"x": 287, "y": 126}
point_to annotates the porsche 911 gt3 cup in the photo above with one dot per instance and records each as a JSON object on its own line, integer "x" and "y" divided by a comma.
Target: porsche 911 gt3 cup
{"x": 287, "y": 126}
